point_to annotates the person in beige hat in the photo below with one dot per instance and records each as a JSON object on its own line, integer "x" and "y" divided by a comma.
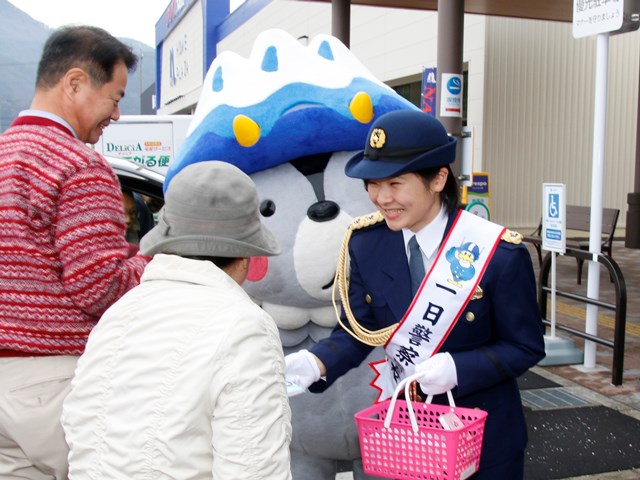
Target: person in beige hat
{"x": 184, "y": 376}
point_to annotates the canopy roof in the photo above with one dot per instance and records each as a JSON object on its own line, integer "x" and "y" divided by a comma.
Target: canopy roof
{"x": 555, "y": 10}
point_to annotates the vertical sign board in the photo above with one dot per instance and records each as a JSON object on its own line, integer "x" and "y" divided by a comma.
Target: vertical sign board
{"x": 597, "y": 17}
{"x": 451, "y": 95}
{"x": 182, "y": 54}
{"x": 429, "y": 84}
{"x": 554, "y": 217}
{"x": 592, "y": 17}
{"x": 478, "y": 195}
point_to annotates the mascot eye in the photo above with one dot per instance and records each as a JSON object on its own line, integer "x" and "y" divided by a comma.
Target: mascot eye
{"x": 267, "y": 208}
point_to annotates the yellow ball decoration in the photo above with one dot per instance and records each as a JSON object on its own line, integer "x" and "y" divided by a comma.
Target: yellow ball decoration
{"x": 246, "y": 130}
{"x": 361, "y": 107}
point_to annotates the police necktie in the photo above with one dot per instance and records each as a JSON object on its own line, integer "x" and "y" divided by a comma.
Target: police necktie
{"x": 416, "y": 265}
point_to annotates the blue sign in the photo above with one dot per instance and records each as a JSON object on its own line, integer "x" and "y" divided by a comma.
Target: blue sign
{"x": 553, "y": 234}
{"x": 454, "y": 85}
{"x": 429, "y": 83}
{"x": 554, "y": 205}
{"x": 553, "y": 217}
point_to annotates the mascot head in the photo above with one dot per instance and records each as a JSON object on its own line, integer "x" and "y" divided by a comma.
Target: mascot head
{"x": 291, "y": 116}
{"x": 285, "y": 101}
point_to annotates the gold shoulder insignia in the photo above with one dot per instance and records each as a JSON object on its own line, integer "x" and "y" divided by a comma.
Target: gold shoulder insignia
{"x": 512, "y": 236}
{"x": 366, "y": 220}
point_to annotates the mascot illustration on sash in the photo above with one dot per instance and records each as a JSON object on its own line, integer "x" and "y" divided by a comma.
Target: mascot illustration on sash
{"x": 291, "y": 116}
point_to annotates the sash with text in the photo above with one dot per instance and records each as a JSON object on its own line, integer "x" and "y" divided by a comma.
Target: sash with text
{"x": 445, "y": 291}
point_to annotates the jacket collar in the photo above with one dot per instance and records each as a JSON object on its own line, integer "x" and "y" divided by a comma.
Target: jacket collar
{"x": 180, "y": 269}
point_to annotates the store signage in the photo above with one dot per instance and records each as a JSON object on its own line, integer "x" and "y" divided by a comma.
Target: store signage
{"x": 592, "y": 17}
{"x": 451, "y": 95}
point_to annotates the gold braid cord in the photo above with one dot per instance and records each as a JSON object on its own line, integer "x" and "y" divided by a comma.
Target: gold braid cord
{"x": 341, "y": 280}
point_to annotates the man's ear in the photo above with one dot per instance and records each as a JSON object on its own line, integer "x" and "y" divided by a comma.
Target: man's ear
{"x": 74, "y": 80}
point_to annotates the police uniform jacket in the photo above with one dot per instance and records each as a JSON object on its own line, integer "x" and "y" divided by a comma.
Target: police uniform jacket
{"x": 496, "y": 339}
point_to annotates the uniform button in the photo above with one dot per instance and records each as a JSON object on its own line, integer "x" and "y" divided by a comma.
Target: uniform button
{"x": 367, "y": 298}
{"x": 470, "y": 317}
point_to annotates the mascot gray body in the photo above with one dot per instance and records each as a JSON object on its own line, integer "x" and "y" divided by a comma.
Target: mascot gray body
{"x": 297, "y": 293}
{"x": 291, "y": 116}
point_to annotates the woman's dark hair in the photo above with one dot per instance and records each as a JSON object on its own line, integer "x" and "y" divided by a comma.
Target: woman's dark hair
{"x": 92, "y": 49}
{"x": 450, "y": 195}
{"x": 220, "y": 262}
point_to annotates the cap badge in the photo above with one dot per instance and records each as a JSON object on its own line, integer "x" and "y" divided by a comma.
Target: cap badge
{"x": 378, "y": 138}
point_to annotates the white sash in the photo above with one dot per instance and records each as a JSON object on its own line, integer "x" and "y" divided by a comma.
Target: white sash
{"x": 443, "y": 295}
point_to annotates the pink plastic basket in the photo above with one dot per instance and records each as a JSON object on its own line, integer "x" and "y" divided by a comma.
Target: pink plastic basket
{"x": 414, "y": 444}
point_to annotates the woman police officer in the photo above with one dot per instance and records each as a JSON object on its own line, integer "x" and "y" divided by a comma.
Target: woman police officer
{"x": 472, "y": 327}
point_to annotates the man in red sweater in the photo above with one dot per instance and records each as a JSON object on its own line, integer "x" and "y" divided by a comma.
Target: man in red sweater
{"x": 63, "y": 255}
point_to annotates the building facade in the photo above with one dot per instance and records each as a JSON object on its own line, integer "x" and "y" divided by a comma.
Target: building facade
{"x": 529, "y": 89}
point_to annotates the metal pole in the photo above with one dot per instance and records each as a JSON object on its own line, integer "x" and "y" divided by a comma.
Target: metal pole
{"x": 553, "y": 295}
{"x": 597, "y": 174}
{"x": 450, "y": 43}
{"x": 341, "y": 20}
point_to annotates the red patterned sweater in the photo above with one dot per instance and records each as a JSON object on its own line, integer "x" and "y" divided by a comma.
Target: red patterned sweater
{"x": 63, "y": 253}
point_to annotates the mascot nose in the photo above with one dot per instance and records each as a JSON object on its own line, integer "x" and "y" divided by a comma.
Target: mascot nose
{"x": 323, "y": 211}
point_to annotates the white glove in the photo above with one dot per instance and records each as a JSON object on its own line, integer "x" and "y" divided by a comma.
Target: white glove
{"x": 439, "y": 374}
{"x": 301, "y": 368}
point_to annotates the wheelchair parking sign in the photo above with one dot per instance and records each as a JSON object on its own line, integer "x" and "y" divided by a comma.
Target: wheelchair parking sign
{"x": 554, "y": 202}
{"x": 553, "y": 217}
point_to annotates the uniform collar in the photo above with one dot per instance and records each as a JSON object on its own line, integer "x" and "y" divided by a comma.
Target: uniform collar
{"x": 430, "y": 236}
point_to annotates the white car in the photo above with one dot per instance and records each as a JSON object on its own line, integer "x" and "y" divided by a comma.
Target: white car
{"x": 146, "y": 187}
{"x": 137, "y": 178}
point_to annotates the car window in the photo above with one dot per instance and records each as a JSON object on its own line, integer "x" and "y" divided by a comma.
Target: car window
{"x": 142, "y": 196}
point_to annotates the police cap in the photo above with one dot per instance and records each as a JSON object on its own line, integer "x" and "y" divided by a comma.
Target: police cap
{"x": 402, "y": 141}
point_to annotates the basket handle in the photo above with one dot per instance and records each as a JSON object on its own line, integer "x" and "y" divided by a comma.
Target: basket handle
{"x": 449, "y": 396}
{"x": 404, "y": 384}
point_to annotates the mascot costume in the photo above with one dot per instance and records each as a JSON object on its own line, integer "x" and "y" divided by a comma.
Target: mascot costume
{"x": 290, "y": 116}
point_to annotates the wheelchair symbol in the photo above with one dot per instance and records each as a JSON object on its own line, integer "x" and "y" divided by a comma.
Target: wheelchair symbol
{"x": 553, "y": 206}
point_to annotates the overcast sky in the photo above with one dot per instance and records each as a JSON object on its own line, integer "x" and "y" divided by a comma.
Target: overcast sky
{"x": 123, "y": 18}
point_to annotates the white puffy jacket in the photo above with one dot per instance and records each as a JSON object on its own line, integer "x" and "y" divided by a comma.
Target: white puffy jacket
{"x": 182, "y": 378}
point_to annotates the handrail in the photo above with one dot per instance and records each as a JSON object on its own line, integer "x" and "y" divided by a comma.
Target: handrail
{"x": 620, "y": 306}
